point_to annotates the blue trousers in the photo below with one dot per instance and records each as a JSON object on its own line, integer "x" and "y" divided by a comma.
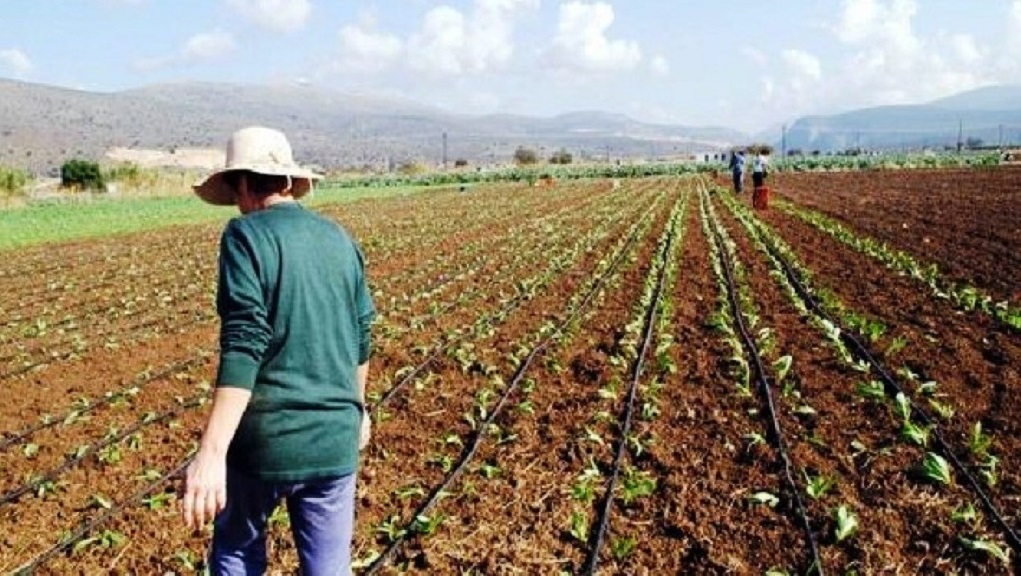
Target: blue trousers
{"x": 322, "y": 521}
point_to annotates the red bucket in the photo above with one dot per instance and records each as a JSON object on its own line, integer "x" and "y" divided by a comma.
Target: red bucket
{"x": 760, "y": 197}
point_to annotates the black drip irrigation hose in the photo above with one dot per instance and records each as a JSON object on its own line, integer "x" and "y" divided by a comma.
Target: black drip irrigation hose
{"x": 55, "y": 473}
{"x": 31, "y": 566}
{"x": 592, "y": 561}
{"x": 139, "y": 383}
{"x": 436, "y": 351}
{"x": 60, "y": 357}
{"x": 764, "y": 390}
{"x": 469, "y": 452}
{"x": 893, "y": 388}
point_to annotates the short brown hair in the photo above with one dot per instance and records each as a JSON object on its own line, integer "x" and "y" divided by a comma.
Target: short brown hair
{"x": 258, "y": 184}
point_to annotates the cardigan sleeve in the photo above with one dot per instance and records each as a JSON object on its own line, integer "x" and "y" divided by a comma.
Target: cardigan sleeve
{"x": 366, "y": 311}
{"x": 244, "y": 329}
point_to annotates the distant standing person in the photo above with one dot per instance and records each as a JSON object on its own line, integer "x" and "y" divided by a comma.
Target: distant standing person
{"x": 737, "y": 162}
{"x": 760, "y": 169}
{"x": 288, "y": 415}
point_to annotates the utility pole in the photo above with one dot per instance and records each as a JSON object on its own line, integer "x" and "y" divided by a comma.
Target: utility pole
{"x": 960, "y": 136}
{"x": 444, "y": 150}
{"x": 783, "y": 141}
{"x": 999, "y": 144}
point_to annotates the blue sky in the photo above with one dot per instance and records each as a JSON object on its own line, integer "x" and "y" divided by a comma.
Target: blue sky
{"x": 741, "y": 64}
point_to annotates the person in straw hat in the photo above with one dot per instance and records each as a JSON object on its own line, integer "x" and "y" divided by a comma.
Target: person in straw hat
{"x": 288, "y": 414}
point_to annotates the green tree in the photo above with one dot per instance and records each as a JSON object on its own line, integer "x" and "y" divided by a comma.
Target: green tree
{"x": 525, "y": 155}
{"x": 84, "y": 174}
{"x": 561, "y": 156}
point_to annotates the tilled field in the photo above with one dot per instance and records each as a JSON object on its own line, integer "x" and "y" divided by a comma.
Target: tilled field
{"x": 650, "y": 379}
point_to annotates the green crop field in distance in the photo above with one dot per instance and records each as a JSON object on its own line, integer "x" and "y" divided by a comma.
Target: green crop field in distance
{"x": 77, "y": 220}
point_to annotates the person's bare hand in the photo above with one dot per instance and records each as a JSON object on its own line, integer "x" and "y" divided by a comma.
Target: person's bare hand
{"x": 366, "y": 431}
{"x": 205, "y": 489}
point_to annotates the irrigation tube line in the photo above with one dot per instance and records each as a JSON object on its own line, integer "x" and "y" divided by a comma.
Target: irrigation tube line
{"x": 592, "y": 562}
{"x": 891, "y": 385}
{"x": 29, "y": 567}
{"x": 198, "y": 320}
{"x": 763, "y": 385}
{"x": 469, "y": 452}
{"x": 438, "y": 349}
{"x": 54, "y": 473}
{"x": 139, "y": 383}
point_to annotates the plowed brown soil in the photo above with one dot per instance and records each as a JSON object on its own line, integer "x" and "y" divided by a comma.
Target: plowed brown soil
{"x": 452, "y": 275}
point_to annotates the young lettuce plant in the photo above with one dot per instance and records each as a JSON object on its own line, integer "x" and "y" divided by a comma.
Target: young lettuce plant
{"x": 847, "y": 523}
{"x": 936, "y": 469}
{"x": 987, "y": 547}
{"x": 579, "y": 527}
{"x": 819, "y": 485}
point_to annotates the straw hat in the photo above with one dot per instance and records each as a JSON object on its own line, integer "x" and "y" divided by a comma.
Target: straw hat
{"x": 260, "y": 150}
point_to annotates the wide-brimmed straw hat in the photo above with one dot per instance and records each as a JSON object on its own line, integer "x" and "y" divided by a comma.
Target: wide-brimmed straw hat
{"x": 260, "y": 150}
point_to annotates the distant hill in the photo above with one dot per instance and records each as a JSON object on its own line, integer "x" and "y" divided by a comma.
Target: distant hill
{"x": 42, "y": 126}
{"x": 982, "y": 116}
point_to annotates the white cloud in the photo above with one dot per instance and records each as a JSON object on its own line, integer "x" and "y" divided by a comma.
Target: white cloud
{"x": 581, "y": 43}
{"x": 888, "y": 62}
{"x": 659, "y": 66}
{"x": 803, "y": 64}
{"x": 364, "y": 50}
{"x": 275, "y": 15}
{"x": 15, "y": 62}
{"x": 755, "y": 55}
{"x": 440, "y": 44}
{"x": 203, "y": 46}
{"x": 965, "y": 49}
{"x": 208, "y": 45}
{"x": 451, "y": 42}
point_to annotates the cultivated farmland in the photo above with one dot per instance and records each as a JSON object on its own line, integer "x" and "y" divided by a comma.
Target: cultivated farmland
{"x": 643, "y": 378}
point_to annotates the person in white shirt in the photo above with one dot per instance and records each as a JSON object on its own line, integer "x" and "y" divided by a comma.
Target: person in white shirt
{"x": 760, "y": 169}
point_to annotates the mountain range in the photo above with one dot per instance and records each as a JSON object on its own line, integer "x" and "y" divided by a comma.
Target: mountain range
{"x": 42, "y": 126}
{"x": 988, "y": 116}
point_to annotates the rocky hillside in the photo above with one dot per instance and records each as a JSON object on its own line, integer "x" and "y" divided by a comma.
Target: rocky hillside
{"x": 41, "y": 126}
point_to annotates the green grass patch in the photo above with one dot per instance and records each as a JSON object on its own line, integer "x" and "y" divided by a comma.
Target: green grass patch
{"x": 63, "y": 221}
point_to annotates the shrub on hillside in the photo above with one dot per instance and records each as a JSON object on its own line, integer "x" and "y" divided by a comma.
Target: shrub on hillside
{"x": 12, "y": 181}
{"x": 525, "y": 156}
{"x": 84, "y": 174}
{"x": 561, "y": 156}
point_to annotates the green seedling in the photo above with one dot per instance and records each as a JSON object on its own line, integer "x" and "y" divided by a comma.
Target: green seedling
{"x": 903, "y": 407}
{"x": 818, "y": 486}
{"x": 636, "y": 484}
{"x": 898, "y": 344}
{"x": 764, "y": 498}
{"x": 915, "y": 433}
{"x": 489, "y": 471}
{"x": 391, "y": 528}
{"x": 944, "y": 411}
{"x": 936, "y": 469}
{"x": 427, "y": 525}
{"x": 979, "y": 442}
{"x": 409, "y": 492}
{"x": 106, "y": 539}
{"x": 871, "y": 390}
{"x": 966, "y": 514}
{"x": 847, "y": 523}
{"x": 622, "y": 547}
{"x": 159, "y": 501}
{"x": 579, "y": 527}
{"x": 987, "y": 547}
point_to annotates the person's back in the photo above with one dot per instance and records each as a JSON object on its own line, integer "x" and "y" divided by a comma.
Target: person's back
{"x": 288, "y": 413}
{"x": 759, "y": 165}
{"x": 307, "y": 272}
{"x": 737, "y": 168}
